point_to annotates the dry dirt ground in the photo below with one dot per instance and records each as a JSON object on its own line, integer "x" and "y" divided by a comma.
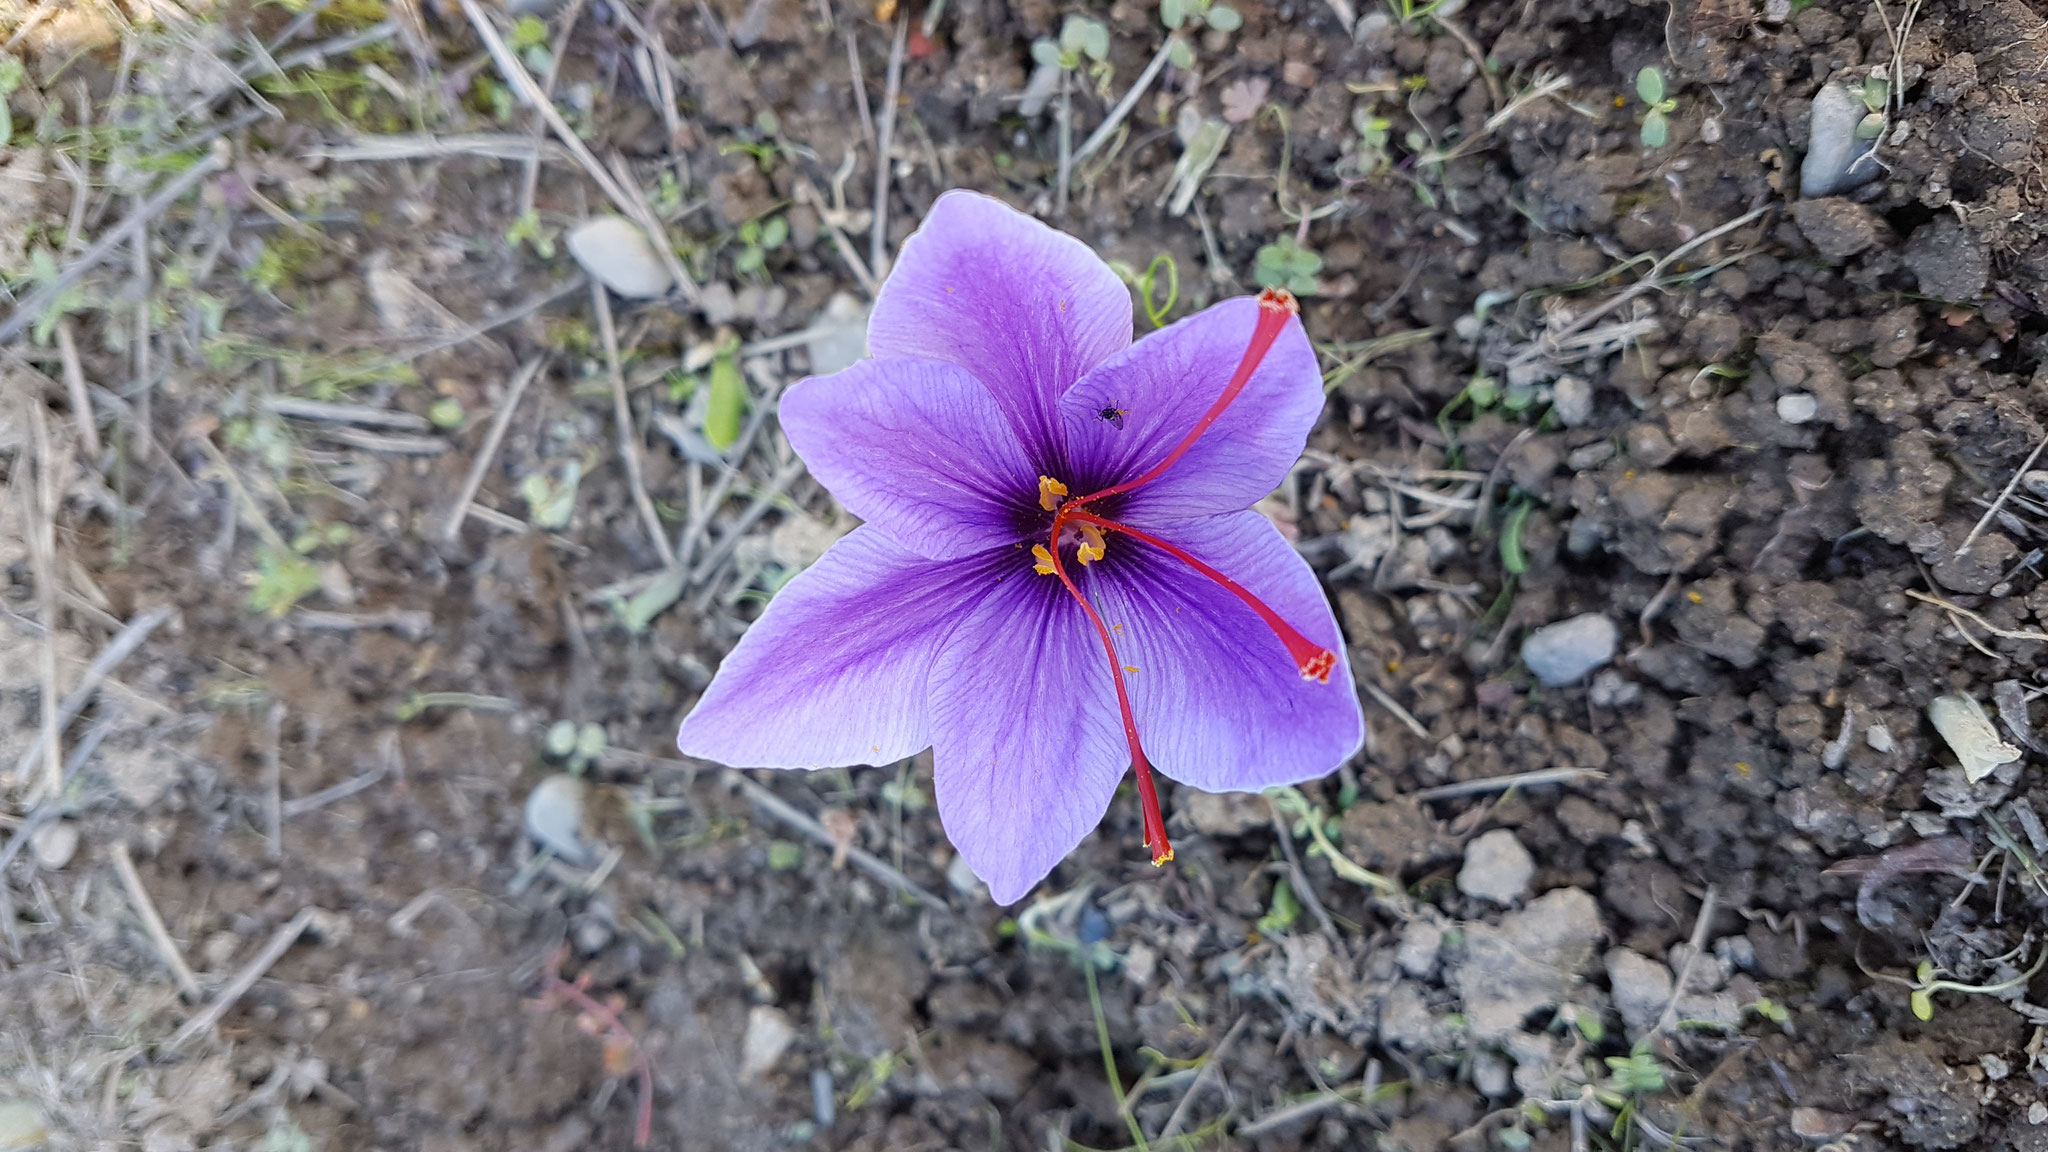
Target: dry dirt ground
{"x": 340, "y": 515}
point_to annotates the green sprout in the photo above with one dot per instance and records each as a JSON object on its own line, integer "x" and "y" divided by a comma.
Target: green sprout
{"x": 1147, "y": 281}
{"x": 1179, "y": 14}
{"x": 1283, "y": 912}
{"x": 446, "y": 413}
{"x": 1924, "y": 985}
{"x": 528, "y": 230}
{"x": 11, "y": 75}
{"x": 1310, "y": 820}
{"x": 577, "y": 747}
{"x": 1080, "y": 38}
{"x": 1877, "y": 95}
{"x": 757, "y": 239}
{"x": 283, "y": 577}
{"x": 1657, "y": 121}
{"x": 552, "y": 502}
{"x": 728, "y": 400}
{"x": 1371, "y": 157}
{"x": 1408, "y": 12}
{"x": 1286, "y": 264}
{"x": 529, "y": 41}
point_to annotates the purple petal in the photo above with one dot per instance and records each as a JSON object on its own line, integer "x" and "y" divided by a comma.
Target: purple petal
{"x": 833, "y": 673}
{"x": 1027, "y": 747}
{"x": 1220, "y": 704}
{"x": 918, "y": 449}
{"x": 1025, "y": 308}
{"x": 1163, "y": 384}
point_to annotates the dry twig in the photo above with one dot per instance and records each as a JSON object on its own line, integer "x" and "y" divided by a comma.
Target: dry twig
{"x": 274, "y": 950}
{"x": 622, "y": 413}
{"x": 153, "y": 922}
{"x": 484, "y": 456}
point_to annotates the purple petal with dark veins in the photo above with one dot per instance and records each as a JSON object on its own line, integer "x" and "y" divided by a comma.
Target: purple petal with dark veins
{"x": 833, "y": 673}
{"x": 1027, "y": 746}
{"x": 1164, "y": 383}
{"x": 918, "y": 449}
{"x": 1025, "y": 308}
{"x": 1220, "y": 704}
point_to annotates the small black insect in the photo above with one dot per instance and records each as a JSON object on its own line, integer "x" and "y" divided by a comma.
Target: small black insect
{"x": 1115, "y": 416}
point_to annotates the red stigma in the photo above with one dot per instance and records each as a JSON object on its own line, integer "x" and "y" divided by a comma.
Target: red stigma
{"x": 1315, "y": 662}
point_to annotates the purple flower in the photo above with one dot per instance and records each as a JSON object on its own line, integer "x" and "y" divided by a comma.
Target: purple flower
{"x": 1058, "y": 554}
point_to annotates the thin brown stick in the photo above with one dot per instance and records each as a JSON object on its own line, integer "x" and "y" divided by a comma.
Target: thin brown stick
{"x": 1700, "y": 926}
{"x": 273, "y": 779}
{"x": 860, "y": 88}
{"x": 42, "y": 534}
{"x": 1503, "y": 783}
{"x": 75, "y": 390}
{"x": 273, "y": 951}
{"x": 1202, "y": 1078}
{"x": 878, "y": 238}
{"x": 1979, "y": 621}
{"x": 622, "y": 414}
{"x": 1985, "y": 520}
{"x": 484, "y": 456}
{"x": 118, "y": 649}
{"x": 153, "y": 922}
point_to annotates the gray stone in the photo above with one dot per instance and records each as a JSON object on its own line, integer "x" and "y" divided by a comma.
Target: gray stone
{"x": 1489, "y": 1074}
{"x": 1532, "y": 959}
{"x": 1421, "y": 942}
{"x": 1613, "y": 690}
{"x": 617, "y": 254}
{"x": 1798, "y": 407}
{"x": 1224, "y": 813}
{"x": 1838, "y": 229}
{"x": 769, "y": 1034}
{"x": 554, "y": 817}
{"x": 54, "y": 845}
{"x": 1641, "y": 987}
{"x": 1497, "y": 868}
{"x": 1947, "y": 260}
{"x": 1563, "y": 652}
{"x": 1572, "y": 400}
{"x": 1837, "y": 160}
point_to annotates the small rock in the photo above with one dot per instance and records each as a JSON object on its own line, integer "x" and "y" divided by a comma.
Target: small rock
{"x": 1836, "y": 159}
{"x": 719, "y": 303}
{"x": 617, "y": 254}
{"x": 1995, "y": 1067}
{"x": 1819, "y": 1125}
{"x": 1797, "y": 407}
{"x": 1497, "y": 868}
{"x": 839, "y": 337}
{"x": 1141, "y": 963}
{"x": 1225, "y": 813}
{"x": 1421, "y": 942}
{"x": 2035, "y": 481}
{"x": 1531, "y": 960}
{"x": 961, "y": 878}
{"x": 1561, "y": 653}
{"x": 2037, "y": 1113}
{"x": 554, "y": 817}
{"x": 1947, "y": 260}
{"x": 1837, "y": 229}
{"x": 769, "y": 1035}
{"x": 1572, "y": 400}
{"x": 590, "y": 934}
{"x": 54, "y": 845}
{"x": 1489, "y": 1073}
{"x": 1613, "y": 690}
{"x": 1641, "y": 988}
{"x": 21, "y": 1126}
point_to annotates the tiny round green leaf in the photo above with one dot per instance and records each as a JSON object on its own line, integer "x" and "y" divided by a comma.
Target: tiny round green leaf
{"x": 1173, "y": 13}
{"x": 1650, "y": 85}
{"x": 1224, "y": 18}
{"x": 1180, "y": 54}
{"x": 1656, "y": 129}
{"x": 1870, "y": 127}
{"x": 1923, "y": 1004}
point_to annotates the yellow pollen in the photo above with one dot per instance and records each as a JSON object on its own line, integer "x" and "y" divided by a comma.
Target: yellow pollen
{"x": 1049, "y": 493}
{"x": 1044, "y": 567}
{"x": 1092, "y": 547}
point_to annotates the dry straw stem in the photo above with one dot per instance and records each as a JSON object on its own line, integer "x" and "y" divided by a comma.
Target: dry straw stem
{"x": 244, "y": 980}
{"x": 622, "y": 414}
{"x": 153, "y": 923}
{"x": 484, "y": 456}
{"x": 1985, "y": 520}
{"x": 118, "y": 649}
{"x": 878, "y": 238}
{"x": 1207, "y": 1073}
{"x": 1974, "y": 618}
{"x": 1504, "y": 783}
{"x": 40, "y": 521}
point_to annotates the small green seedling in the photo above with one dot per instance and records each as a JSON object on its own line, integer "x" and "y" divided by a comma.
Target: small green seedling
{"x": 1924, "y": 985}
{"x": 1408, "y": 11}
{"x": 552, "y": 502}
{"x": 1286, "y": 264}
{"x": 1657, "y": 121}
{"x": 446, "y": 413}
{"x": 1310, "y": 820}
{"x": 728, "y": 400}
{"x": 578, "y": 747}
{"x": 757, "y": 239}
{"x": 1282, "y": 913}
{"x": 529, "y": 41}
{"x": 1080, "y": 39}
{"x": 1877, "y": 94}
{"x": 1179, "y": 14}
{"x": 1146, "y": 284}
{"x": 1370, "y": 156}
{"x": 528, "y": 230}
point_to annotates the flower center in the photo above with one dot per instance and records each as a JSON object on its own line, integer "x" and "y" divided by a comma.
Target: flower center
{"x": 1074, "y": 525}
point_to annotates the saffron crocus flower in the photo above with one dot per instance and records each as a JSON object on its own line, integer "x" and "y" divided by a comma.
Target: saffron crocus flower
{"x": 1059, "y": 578}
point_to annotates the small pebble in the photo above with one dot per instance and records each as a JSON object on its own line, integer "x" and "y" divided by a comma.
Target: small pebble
{"x": 961, "y": 878}
{"x": 554, "y": 816}
{"x": 1994, "y": 1066}
{"x": 1561, "y": 653}
{"x": 1818, "y": 1125}
{"x": 1572, "y": 400}
{"x": 769, "y": 1034}
{"x": 1797, "y": 407}
{"x": 823, "y": 1109}
{"x": 1421, "y": 943}
{"x": 2037, "y": 1113}
{"x": 1613, "y": 690}
{"x": 54, "y": 845}
{"x": 1836, "y": 159}
{"x": 2035, "y": 482}
{"x": 617, "y": 254}
{"x": 1497, "y": 868}
{"x": 1489, "y": 1073}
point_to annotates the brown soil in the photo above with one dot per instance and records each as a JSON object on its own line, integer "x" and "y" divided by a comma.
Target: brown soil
{"x": 1788, "y": 590}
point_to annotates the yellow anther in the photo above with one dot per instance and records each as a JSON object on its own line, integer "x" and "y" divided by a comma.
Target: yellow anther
{"x": 1049, "y": 493}
{"x": 1092, "y": 547}
{"x": 1044, "y": 567}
